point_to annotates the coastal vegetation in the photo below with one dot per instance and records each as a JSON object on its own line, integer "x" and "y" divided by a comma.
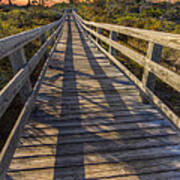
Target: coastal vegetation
{"x": 133, "y": 13}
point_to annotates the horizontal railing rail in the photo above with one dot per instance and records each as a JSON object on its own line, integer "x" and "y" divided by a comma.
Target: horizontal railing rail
{"x": 162, "y": 38}
{"x": 12, "y": 43}
{"x": 20, "y": 83}
{"x": 149, "y": 61}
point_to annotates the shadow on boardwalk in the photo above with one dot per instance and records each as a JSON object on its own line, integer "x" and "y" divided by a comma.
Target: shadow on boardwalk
{"x": 71, "y": 159}
{"x": 69, "y": 71}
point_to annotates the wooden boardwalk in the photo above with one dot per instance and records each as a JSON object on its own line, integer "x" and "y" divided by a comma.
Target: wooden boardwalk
{"x": 89, "y": 123}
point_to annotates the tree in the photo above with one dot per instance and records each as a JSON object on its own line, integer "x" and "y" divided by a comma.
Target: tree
{"x": 34, "y": 2}
{"x": 10, "y": 2}
{"x": 29, "y": 3}
{"x": 43, "y": 3}
{"x": 71, "y": 1}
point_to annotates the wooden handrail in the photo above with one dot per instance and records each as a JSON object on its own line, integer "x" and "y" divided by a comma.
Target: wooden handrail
{"x": 149, "y": 62}
{"x": 10, "y": 44}
{"x": 162, "y": 38}
{"x": 8, "y": 93}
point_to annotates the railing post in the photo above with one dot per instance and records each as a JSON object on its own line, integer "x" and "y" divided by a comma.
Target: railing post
{"x": 153, "y": 54}
{"x": 112, "y": 36}
{"x": 53, "y": 40}
{"x": 43, "y": 39}
{"x": 18, "y": 60}
{"x": 91, "y": 29}
{"x": 99, "y": 31}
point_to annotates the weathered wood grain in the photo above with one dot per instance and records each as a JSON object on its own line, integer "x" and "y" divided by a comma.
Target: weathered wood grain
{"x": 165, "y": 39}
{"x": 163, "y": 73}
{"x": 89, "y": 124}
{"x": 12, "y": 141}
{"x": 148, "y": 93}
{"x": 112, "y": 36}
{"x": 8, "y": 93}
{"x": 154, "y": 53}
{"x": 12, "y": 43}
{"x": 18, "y": 60}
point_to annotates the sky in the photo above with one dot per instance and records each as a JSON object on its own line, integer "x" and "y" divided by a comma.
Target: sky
{"x": 24, "y": 2}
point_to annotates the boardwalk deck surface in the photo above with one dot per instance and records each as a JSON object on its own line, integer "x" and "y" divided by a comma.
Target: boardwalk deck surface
{"x": 89, "y": 124}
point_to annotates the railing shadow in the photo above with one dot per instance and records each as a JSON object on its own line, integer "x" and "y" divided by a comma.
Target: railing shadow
{"x": 98, "y": 70}
{"x": 109, "y": 150}
{"x": 69, "y": 71}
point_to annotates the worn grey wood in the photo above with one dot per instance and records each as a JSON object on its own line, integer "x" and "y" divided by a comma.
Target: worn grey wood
{"x": 99, "y": 31}
{"x": 154, "y": 54}
{"x": 12, "y": 141}
{"x": 51, "y": 32}
{"x": 163, "y": 73}
{"x": 8, "y": 93}
{"x": 150, "y": 95}
{"x": 18, "y": 61}
{"x": 165, "y": 39}
{"x": 13, "y": 43}
{"x": 92, "y": 135}
{"x": 43, "y": 39}
{"x": 112, "y": 36}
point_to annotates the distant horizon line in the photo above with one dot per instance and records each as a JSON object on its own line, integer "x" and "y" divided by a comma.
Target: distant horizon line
{"x": 25, "y": 2}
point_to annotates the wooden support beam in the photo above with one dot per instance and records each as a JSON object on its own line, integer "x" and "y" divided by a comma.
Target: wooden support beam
{"x": 165, "y": 39}
{"x": 53, "y": 40}
{"x": 8, "y": 94}
{"x": 169, "y": 77}
{"x": 18, "y": 60}
{"x": 92, "y": 29}
{"x": 112, "y": 36}
{"x": 154, "y": 54}
{"x": 99, "y": 31}
{"x": 43, "y": 39}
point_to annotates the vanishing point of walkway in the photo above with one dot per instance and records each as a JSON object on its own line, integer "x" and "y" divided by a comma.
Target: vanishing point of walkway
{"x": 89, "y": 124}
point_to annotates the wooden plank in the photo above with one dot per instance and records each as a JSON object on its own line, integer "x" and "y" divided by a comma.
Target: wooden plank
{"x": 98, "y": 107}
{"x": 18, "y": 61}
{"x": 8, "y": 93}
{"x": 100, "y": 146}
{"x": 154, "y": 99}
{"x": 39, "y": 122}
{"x": 70, "y": 137}
{"x": 92, "y": 114}
{"x": 96, "y": 172}
{"x": 93, "y": 128}
{"x": 163, "y": 73}
{"x": 48, "y": 159}
{"x": 75, "y": 123}
{"x": 95, "y": 137}
{"x": 11, "y": 143}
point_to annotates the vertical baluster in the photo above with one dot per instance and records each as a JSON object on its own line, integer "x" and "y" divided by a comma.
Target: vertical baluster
{"x": 43, "y": 39}
{"x": 18, "y": 60}
{"x": 53, "y": 40}
{"x": 99, "y": 31}
{"x": 112, "y": 36}
{"x": 153, "y": 54}
{"x": 91, "y": 29}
